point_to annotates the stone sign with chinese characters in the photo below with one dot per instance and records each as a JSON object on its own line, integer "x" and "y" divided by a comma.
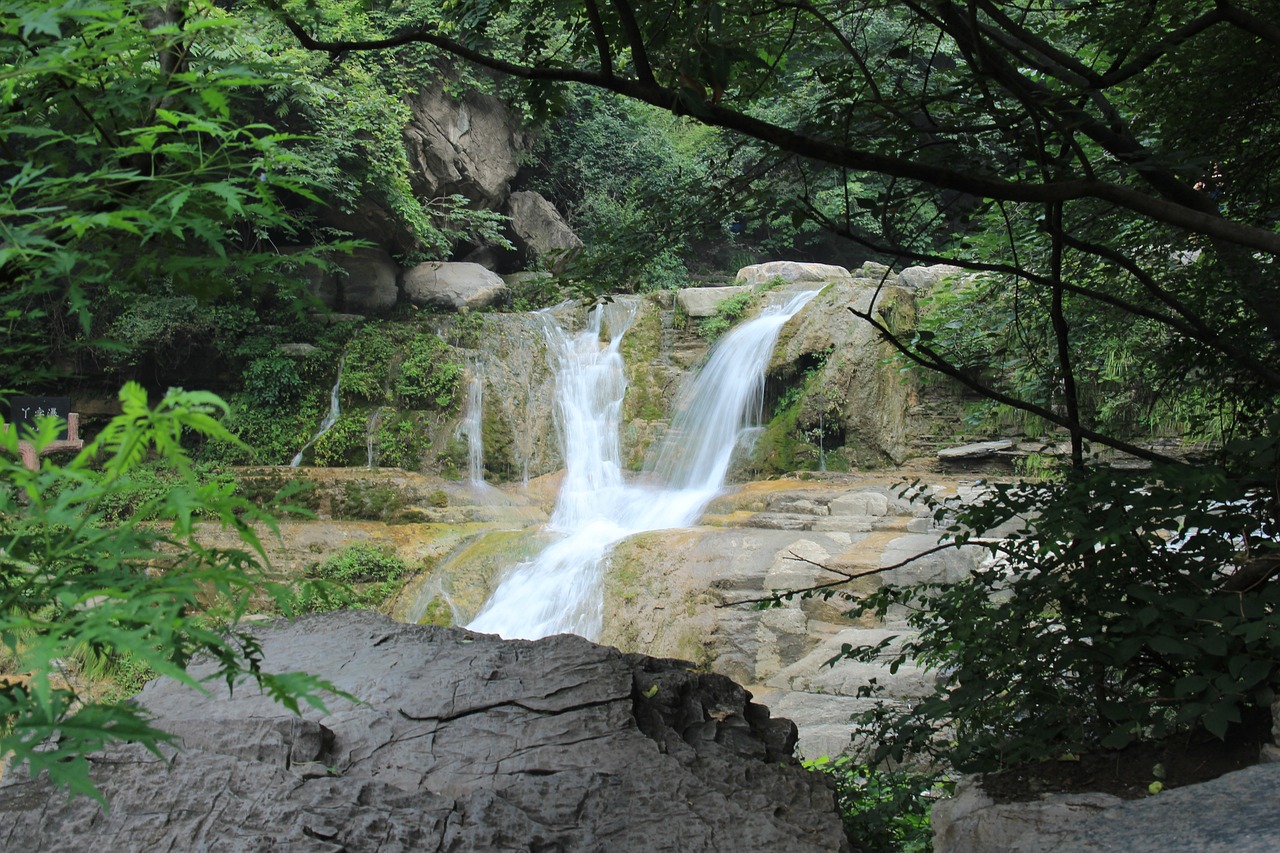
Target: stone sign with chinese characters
{"x": 25, "y": 410}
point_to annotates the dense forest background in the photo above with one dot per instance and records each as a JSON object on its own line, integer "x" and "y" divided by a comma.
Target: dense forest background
{"x": 172, "y": 174}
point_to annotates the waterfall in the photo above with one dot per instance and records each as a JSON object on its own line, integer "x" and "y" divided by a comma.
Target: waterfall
{"x": 330, "y": 419}
{"x": 560, "y": 590}
{"x": 471, "y": 426}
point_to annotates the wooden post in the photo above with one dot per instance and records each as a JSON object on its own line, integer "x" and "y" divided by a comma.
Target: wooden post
{"x": 31, "y": 459}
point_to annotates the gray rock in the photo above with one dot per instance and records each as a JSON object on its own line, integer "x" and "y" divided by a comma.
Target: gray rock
{"x": 297, "y": 350}
{"x": 790, "y": 271}
{"x": 924, "y": 278}
{"x": 370, "y": 283}
{"x": 1235, "y": 813}
{"x": 976, "y": 450}
{"x": 540, "y": 227}
{"x": 469, "y": 146}
{"x": 461, "y": 742}
{"x": 699, "y": 302}
{"x": 859, "y": 392}
{"x": 452, "y": 286}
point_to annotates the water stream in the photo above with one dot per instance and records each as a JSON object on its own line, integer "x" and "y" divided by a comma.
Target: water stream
{"x": 329, "y": 419}
{"x": 560, "y": 590}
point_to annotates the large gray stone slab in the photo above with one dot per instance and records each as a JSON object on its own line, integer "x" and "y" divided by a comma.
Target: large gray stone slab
{"x": 460, "y": 742}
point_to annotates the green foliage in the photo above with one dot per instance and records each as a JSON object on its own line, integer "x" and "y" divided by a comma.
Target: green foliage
{"x": 128, "y": 163}
{"x": 401, "y": 443}
{"x": 82, "y": 576}
{"x": 1138, "y": 608}
{"x": 883, "y": 810}
{"x": 273, "y": 381}
{"x": 360, "y": 564}
{"x": 345, "y": 443}
{"x": 426, "y": 377}
{"x": 370, "y": 500}
{"x": 360, "y": 576}
{"x": 633, "y": 180}
{"x": 728, "y": 312}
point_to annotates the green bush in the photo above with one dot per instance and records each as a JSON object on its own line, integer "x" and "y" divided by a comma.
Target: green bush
{"x": 883, "y": 810}
{"x": 728, "y": 312}
{"x": 427, "y": 377}
{"x": 360, "y": 576}
{"x": 1143, "y": 606}
{"x": 360, "y": 564}
{"x": 85, "y": 576}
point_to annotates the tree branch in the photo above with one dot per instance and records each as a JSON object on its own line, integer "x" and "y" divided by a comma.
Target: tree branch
{"x": 1161, "y": 210}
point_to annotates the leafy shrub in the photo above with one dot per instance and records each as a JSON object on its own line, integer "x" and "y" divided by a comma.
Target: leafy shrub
{"x": 727, "y": 313}
{"x": 360, "y": 576}
{"x": 83, "y": 574}
{"x": 427, "y": 377}
{"x": 1142, "y": 606}
{"x": 346, "y": 442}
{"x": 883, "y": 810}
{"x": 273, "y": 381}
{"x": 362, "y": 563}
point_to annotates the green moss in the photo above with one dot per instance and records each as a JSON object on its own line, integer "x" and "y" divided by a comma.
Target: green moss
{"x": 641, "y": 351}
{"x": 499, "y": 447}
{"x": 372, "y": 501}
{"x": 438, "y": 612}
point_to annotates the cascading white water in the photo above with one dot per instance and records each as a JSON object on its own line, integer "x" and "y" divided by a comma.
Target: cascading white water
{"x": 559, "y": 591}
{"x": 471, "y": 426}
{"x": 330, "y": 419}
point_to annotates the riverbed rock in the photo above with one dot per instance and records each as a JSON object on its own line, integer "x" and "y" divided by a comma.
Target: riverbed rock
{"x": 700, "y": 302}
{"x": 790, "y": 272}
{"x": 460, "y": 742}
{"x": 858, "y": 397}
{"x": 1235, "y": 813}
{"x": 453, "y": 286}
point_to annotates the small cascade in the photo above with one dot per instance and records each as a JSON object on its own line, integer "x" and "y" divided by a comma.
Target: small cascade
{"x": 471, "y": 425}
{"x": 560, "y": 590}
{"x": 330, "y": 419}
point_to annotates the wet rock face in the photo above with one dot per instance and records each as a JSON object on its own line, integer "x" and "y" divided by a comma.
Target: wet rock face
{"x": 464, "y": 742}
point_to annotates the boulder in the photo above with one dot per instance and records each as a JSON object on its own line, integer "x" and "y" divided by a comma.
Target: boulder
{"x": 860, "y": 397}
{"x": 923, "y": 279}
{"x": 370, "y": 283}
{"x": 459, "y": 741}
{"x": 790, "y": 272}
{"x": 699, "y": 302}
{"x": 453, "y": 286}
{"x": 540, "y": 227}
{"x": 469, "y": 146}
{"x": 1235, "y": 813}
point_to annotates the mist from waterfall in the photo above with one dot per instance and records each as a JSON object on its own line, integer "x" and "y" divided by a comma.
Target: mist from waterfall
{"x": 561, "y": 590}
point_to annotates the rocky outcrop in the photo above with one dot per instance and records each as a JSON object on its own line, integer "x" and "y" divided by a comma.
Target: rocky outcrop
{"x": 699, "y": 302}
{"x": 469, "y": 146}
{"x": 452, "y": 286}
{"x": 669, "y": 593}
{"x": 459, "y": 742}
{"x": 856, "y": 397}
{"x": 790, "y": 272}
{"x": 539, "y": 226}
{"x": 1235, "y": 813}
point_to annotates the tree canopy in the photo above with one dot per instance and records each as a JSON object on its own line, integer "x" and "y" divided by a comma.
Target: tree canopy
{"x": 1108, "y": 172}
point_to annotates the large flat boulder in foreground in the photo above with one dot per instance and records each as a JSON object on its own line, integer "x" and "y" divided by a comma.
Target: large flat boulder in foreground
{"x": 463, "y": 742}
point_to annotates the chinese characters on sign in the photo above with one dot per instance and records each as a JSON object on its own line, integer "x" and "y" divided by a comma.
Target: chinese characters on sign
{"x": 25, "y": 410}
